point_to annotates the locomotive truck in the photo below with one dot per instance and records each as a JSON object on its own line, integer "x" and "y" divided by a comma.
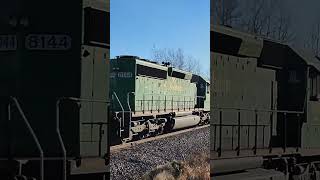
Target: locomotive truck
{"x": 54, "y": 89}
{"x": 265, "y": 108}
{"x": 150, "y": 99}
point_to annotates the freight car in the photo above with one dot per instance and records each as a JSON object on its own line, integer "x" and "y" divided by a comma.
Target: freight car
{"x": 54, "y": 103}
{"x": 150, "y": 99}
{"x": 265, "y": 108}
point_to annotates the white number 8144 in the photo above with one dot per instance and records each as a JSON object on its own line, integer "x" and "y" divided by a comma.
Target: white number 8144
{"x": 48, "y": 42}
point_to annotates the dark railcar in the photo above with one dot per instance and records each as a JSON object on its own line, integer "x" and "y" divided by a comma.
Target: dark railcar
{"x": 265, "y": 105}
{"x": 50, "y": 50}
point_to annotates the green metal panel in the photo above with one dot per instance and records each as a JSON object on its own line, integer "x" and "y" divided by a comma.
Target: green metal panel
{"x": 122, "y": 82}
{"x": 208, "y": 97}
{"x": 95, "y": 86}
{"x": 311, "y": 129}
{"x": 160, "y": 94}
{"x": 239, "y": 83}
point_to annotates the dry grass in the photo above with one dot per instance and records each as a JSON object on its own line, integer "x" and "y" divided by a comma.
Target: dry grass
{"x": 197, "y": 168}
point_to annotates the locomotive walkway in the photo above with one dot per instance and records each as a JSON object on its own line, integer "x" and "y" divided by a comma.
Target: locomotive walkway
{"x": 135, "y": 143}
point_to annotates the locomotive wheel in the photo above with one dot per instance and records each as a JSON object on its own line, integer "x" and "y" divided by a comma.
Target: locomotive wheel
{"x": 143, "y": 136}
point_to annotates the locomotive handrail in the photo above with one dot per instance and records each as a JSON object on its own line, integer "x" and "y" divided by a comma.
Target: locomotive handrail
{"x": 115, "y": 94}
{"x": 177, "y": 102}
{"x": 64, "y": 152}
{"x": 58, "y": 127}
{"x": 34, "y": 136}
{"x": 259, "y": 110}
{"x": 256, "y": 125}
{"x": 128, "y": 101}
{"x": 86, "y": 100}
{"x": 168, "y": 95}
{"x": 201, "y": 97}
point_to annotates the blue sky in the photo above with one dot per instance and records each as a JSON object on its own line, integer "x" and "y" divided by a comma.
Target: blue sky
{"x": 138, "y": 25}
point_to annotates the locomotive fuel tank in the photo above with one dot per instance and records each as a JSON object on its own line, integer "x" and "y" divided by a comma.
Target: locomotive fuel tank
{"x": 185, "y": 121}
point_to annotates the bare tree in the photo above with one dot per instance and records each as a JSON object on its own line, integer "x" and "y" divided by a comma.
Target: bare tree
{"x": 267, "y": 18}
{"x": 193, "y": 65}
{"x": 160, "y": 55}
{"x": 190, "y": 64}
{"x": 254, "y": 22}
{"x": 174, "y": 57}
{"x": 313, "y": 39}
{"x": 177, "y": 58}
{"x": 206, "y": 74}
{"x": 225, "y": 12}
{"x": 284, "y": 28}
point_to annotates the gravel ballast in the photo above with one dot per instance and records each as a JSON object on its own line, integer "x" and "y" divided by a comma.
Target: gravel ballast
{"x": 132, "y": 163}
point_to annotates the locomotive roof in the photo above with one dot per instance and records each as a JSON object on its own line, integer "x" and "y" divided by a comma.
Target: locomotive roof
{"x": 251, "y": 45}
{"x": 181, "y": 71}
{"x": 151, "y": 64}
{"x": 145, "y": 62}
{"x": 308, "y": 57}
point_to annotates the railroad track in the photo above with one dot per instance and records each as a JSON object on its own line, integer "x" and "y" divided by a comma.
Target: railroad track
{"x": 135, "y": 143}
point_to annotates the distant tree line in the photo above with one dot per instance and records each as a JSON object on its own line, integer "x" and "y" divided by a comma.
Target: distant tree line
{"x": 178, "y": 59}
{"x": 267, "y": 18}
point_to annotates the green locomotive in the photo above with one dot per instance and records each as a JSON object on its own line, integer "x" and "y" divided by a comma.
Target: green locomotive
{"x": 54, "y": 83}
{"x": 265, "y": 108}
{"x": 149, "y": 98}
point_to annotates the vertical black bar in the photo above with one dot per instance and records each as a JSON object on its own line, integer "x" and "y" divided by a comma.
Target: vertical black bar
{"x": 248, "y": 136}
{"x": 220, "y": 135}
{"x": 239, "y": 129}
{"x": 299, "y": 133}
{"x": 172, "y": 104}
{"x": 178, "y": 104}
{"x": 9, "y": 126}
{"x": 198, "y": 99}
{"x": 285, "y": 132}
{"x": 263, "y": 136}
{"x": 271, "y": 118}
{"x": 100, "y": 138}
{"x": 256, "y": 133}
{"x": 165, "y": 103}
{"x": 159, "y": 104}
{"x": 143, "y": 104}
{"x": 271, "y": 128}
{"x": 151, "y": 103}
{"x": 215, "y": 137}
{"x": 232, "y": 137}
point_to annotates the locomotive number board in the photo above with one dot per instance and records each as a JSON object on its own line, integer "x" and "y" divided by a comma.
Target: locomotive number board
{"x": 8, "y": 42}
{"x": 47, "y": 42}
{"x": 36, "y": 42}
{"x": 121, "y": 75}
